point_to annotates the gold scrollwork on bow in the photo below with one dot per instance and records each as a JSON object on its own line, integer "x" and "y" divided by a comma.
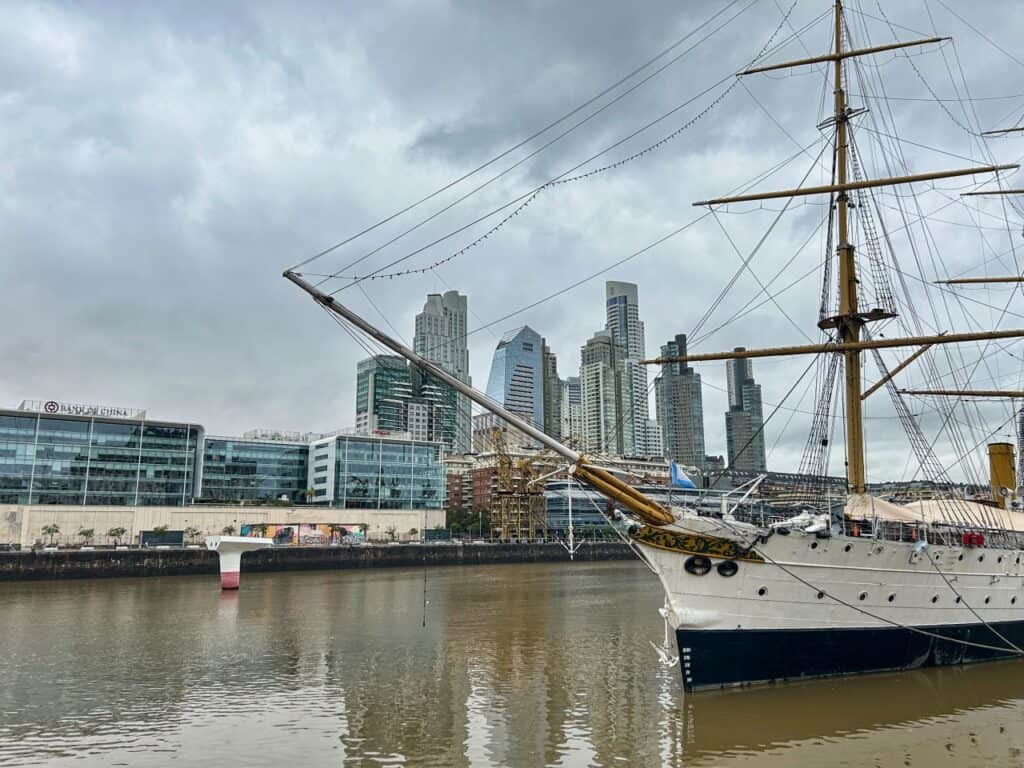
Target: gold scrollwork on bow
{"x": 694, "y": 544}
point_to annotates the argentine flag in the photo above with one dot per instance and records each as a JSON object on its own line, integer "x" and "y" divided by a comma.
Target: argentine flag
{"x": 680, "y": 478}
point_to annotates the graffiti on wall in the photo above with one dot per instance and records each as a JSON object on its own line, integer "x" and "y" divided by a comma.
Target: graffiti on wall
{"x": 303, "y": 534}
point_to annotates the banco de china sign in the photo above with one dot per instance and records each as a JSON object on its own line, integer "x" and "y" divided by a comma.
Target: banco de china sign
{"x": 60, "y": 408}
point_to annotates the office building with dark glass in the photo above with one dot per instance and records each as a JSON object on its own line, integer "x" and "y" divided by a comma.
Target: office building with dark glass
{"x": 251, "y": 469}
{"x": 80, "y": 455}
{"x": 66, "y": 454}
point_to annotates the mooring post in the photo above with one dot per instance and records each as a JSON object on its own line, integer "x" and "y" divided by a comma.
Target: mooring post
{"x": 229, "y": 549}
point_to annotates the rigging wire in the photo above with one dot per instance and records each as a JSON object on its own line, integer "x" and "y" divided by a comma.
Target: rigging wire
{"x": 529, "y": 195}
{"x": 525, "y": 141}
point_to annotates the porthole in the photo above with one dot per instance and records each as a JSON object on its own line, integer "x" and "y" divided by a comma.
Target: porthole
{"x": 999, "y": 559}
{"x": 814, "y": 545}
{"x": 821, "y": 595}
{"x": 988, "y": 599}
{"x": 762, "y": 592}
{"x": 863, "y": 596}
{"x": 847, "y": 548}
{"x": 981, "y": 558}
{"x": 727, "y": 568}
{"x": 935, "y": 598}
{"x": 698, "y": 565}
{"x": 891, "y": 597}
{"x": 1013, "y": 600}
{"x": 961, "y": 557}
{"x": 1018, "y": 559}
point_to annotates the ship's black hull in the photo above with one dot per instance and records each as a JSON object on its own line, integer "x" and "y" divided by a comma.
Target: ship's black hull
{"x": 724, "y": 658}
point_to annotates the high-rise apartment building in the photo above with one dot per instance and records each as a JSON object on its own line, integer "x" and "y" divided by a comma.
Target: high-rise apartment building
{"x": 744, "y": 422}
{"x": 516, "y": 380}
{"x": 440, "y": 337}
{"x": 552, "y": 394}
{"x": 572, "y": 411}
{"x": 604, "y": 407}
{"x": 622, "y": 313}
{"x": 680, "y": 408}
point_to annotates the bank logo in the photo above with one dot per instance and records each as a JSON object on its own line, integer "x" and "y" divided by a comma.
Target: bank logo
{"x": 52, "y": 406}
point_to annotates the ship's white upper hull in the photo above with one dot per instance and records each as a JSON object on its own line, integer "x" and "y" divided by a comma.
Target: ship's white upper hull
{"x": 806, "y": 582}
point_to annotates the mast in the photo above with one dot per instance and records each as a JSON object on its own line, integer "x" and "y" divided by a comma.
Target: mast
{"x": 847, "y": 321}
{"x": 849, "y": 318}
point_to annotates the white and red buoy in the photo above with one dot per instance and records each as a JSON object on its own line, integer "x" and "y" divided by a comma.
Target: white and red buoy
{"x": 229, "y": 549}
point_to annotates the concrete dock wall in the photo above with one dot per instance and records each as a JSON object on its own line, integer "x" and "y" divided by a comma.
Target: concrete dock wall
{"x": 77, "y": 564}
{"x": 23, "y": 524}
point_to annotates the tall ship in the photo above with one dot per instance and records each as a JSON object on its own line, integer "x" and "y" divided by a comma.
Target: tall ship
{"x": 861, "y": 585}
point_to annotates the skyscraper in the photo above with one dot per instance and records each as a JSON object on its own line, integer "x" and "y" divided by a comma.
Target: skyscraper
{"x": 622, "y": 312}
{"x": 744, "y": 422}
{"x": 391, "y": 397}
{"x": 572, "y": 411}
{"x": 441, "y": 338}
{"x": 680, "y": 408}
{"x": 383, "y": 389}
{"x": 517, "y": 374}
{"x": 552, "y": 393}
{"x": 604, "y": 408}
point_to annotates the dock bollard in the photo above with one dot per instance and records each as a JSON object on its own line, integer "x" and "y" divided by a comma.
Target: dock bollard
{"x": 229, "y": 549}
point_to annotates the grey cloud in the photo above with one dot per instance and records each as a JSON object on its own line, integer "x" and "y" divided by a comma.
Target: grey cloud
{"x": 163, "y": 163}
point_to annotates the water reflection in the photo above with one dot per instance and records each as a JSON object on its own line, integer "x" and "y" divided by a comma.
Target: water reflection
{"x": 517, "y": 665}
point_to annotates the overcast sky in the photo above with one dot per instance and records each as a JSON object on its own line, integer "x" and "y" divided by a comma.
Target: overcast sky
{"x": 164, "y": 162}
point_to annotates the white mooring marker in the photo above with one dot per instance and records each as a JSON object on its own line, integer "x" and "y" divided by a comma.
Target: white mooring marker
{"x": 230, "y": 549}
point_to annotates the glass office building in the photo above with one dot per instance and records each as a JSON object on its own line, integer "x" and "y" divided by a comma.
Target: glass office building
{"x": 517, "y": 374}
{"x": 66, "y": 459}
{"x": 236, "y": 470}
{"x": 357, "y": 472}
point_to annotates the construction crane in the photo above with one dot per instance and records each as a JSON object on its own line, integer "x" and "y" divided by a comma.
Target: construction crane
{"x": 518, "y": 506}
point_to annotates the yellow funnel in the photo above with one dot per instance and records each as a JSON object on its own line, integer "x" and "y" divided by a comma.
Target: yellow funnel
{"x": 1001, "y": 473}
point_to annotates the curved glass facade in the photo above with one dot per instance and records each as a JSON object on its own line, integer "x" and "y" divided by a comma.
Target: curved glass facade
{"x": 516, "y": 380}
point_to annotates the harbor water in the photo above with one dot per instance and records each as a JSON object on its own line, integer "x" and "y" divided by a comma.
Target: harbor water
{"x": 512, "y": 665}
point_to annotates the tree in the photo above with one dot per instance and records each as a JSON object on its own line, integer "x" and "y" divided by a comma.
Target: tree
{"x": 337, "y": 531}
{"x": 51, "y": 530}
{"x": 310, "y": 494}
{"x": 364, "y": 528}
{"x": 86, "y": 534}
{"x": 192, "y": 533}
{"x": 160, "y": 530}
{"x": 228, "y": 530}
{"x": 390, "y": 531}
{"x": 117, "y": 534}
{"x": 413, "y": 532}
{"x": 261, "y": 529}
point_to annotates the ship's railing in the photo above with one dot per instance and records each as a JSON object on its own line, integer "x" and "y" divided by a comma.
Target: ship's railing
{"x": 944, "y": 535}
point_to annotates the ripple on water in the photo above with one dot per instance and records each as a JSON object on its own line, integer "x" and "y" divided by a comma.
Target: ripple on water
{"x": 517, "y": 665}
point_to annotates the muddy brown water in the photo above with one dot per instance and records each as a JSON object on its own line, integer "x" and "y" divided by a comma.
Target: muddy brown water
{"x": 516, "y": 665}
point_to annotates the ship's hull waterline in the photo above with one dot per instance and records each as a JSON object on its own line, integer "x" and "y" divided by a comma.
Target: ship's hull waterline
{"x": 801, "y": 605}
{"x": 725, "y": 658}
